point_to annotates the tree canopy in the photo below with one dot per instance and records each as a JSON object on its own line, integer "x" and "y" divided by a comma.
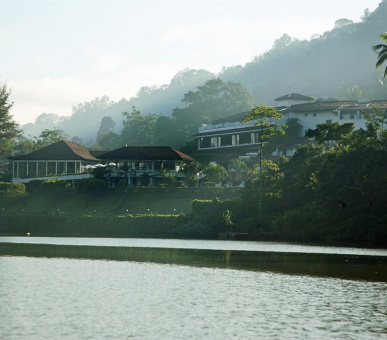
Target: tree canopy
{"x": 382, "y": 56}
{"x": 8, "y": 127}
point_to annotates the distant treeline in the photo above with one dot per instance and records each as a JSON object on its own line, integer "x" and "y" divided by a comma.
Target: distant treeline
{"x": 339, "y": 63}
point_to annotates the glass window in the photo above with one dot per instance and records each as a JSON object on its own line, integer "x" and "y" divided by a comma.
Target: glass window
{"x": 205, "y": 142}
{"x": 51, "y": 168}
{"x": 61, "y": 168}
{"x": 147, "y": 165}
{"x": 22, "y": 169}
{"x": 157, "y": 166}
{"x": 70, "y": 167}
{"x": 245, "y": 138}
{"x": 31, "y": 169}
{"x": 226, "y": 140}
{"x": 169, "y": 165}
{"x": 41, "y": 169}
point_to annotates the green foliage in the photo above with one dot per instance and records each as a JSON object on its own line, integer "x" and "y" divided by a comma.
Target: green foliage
{"x": 214, "y": 213}
{"x": 54, "y": 187}
{"x": 190, "y": 171}
{"x": 8, "y": 128}
{"x": 238, "y": 169}
{"x": 108, "y": 141}
{"x": 48, "y": 137}
{"x": 12, "y": 190}
{"x": 213, "y": 100}
{"x": 107, "y": 125}
{"x": 331, "y": 133}
{"x": 301, "y": 224}
{"x": 145, "y": 180}
{"x": 92, "y": 225}
{"x": 382, "y": 56}
{"x": 138, "y": 130}
{"x": 215, "y": 173}
{"x": 92, "y": 185}
{"x": 293, "y": 130}
{"x": 209, "y": 185}
{"x": 33, "y": 186}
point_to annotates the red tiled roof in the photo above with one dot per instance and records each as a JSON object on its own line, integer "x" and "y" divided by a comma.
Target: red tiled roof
{"x": 145, "y": 153}
{"x": 62, "y": 150}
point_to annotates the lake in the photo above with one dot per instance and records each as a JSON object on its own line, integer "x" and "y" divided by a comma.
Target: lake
{"x": 69, "y": 298}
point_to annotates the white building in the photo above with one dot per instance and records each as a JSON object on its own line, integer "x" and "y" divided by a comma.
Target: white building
{"x": 230, "y": 133}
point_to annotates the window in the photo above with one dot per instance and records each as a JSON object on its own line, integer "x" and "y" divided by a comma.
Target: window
{"x": 22, "y": 169}
{"x": 244, "y": 138}
{"x": 226, "y": 140}
{"x": 51, "y": 168}
{"x": 314, "y": 114}
{"x": 306, "y": 115}
{"x": 328, "y": 121}
{"x": 71, "y": 167}
{"x": 61, "y": 168}
{"x": 31, "y": 169}
{"x": 41, "y": 169}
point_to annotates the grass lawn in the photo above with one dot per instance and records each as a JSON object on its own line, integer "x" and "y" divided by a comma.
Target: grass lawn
{"x": 136, "y": 200}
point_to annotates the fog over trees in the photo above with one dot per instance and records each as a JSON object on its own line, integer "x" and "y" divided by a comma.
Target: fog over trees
{"x": 339, "y": 63}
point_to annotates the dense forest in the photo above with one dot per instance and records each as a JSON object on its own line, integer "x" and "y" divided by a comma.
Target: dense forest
{"x": 339, "y": 63}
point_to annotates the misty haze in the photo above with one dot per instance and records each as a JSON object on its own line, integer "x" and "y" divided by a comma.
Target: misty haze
{"x": 205, "y": 170}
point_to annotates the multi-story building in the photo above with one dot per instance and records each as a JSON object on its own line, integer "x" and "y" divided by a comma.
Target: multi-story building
{"x": 230, "y": 133}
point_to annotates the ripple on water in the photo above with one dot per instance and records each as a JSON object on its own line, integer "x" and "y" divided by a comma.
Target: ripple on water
{"x": 65, "y": 298}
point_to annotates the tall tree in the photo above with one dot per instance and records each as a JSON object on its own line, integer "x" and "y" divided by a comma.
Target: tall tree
{"x": 267, "y": 118}
{"x": 107, "y": 124}
{"x": 8, "y": 127}
{"x": 382, "y": 56}
{"x": 138, "y": 130}
{"x": 213, "y": 100}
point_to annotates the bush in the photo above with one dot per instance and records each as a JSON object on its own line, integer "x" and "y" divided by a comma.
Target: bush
{"x": 53, "y": 188}
{"x": 215, "y": 213}
{"x": 12, "y": 190}
{"x": 92, "y": 186}
{"x": 209, "y": 184}
{"x": 33, "y": 186}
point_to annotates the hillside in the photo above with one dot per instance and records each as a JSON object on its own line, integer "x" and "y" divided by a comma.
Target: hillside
{"x": 324, "y": 66}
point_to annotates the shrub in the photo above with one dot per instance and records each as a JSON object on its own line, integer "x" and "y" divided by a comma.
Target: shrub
{"x": 12, "y": 190}
{"x": 52, "y": 188}
{"x": 33, "y": 186}
{"x": 92, "y": 186}
{"x": 209, "y": 184}
{"x": 215, "y": 213}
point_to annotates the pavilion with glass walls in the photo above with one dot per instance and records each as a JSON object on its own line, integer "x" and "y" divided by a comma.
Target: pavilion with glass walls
{"x": 58, "y": 159}
{"x": 133, "y": 162}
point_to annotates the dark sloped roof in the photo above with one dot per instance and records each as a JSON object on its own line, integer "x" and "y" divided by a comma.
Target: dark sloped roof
{"x": 233, "y": 118}
{"x": 62, "y": 150}
{"x": 145, "y": 153}
{"x": 314, "y": 106}
{"x": 336, "y": 105}
{"x": 294, "y": 96}
{"x": 367, "y": 106}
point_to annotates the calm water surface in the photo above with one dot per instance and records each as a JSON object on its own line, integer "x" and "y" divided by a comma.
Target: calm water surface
{"x": 91, "y": 299}
{"x": 56, "y": 298}
{"x": 197, "y": 244}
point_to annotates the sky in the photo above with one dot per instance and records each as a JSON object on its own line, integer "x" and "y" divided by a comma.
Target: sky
{"x": 57, "y": 54}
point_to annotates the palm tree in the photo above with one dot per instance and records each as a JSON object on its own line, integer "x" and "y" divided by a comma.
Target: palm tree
{"x": 382, "y": 56}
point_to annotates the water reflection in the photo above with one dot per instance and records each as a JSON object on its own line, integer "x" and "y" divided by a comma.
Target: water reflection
{"x": 91, "y": 299}
{"x": 372, "y": 268}
{"x": 197, "y": 244}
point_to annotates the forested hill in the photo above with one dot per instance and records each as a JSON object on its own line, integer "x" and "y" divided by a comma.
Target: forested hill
{"x": 324, "y": 66}
{"x": 340, "y": 63}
